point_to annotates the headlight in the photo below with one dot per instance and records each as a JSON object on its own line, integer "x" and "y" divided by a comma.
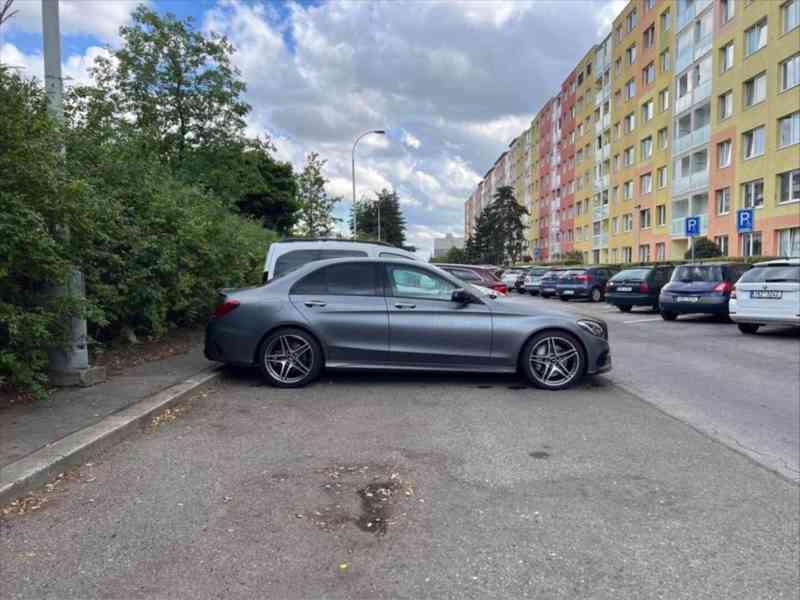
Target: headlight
{"x": 594, "y": 327}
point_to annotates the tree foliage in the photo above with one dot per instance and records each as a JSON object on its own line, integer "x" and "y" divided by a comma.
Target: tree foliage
{"x": 393, "y": 223}
{"x": 703, "y": 248}
{"x": 499, "y": 233}
{"x": 315, "y": 215}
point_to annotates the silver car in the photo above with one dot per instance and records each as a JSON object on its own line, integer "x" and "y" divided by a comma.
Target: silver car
{"x": 391, "y": 314}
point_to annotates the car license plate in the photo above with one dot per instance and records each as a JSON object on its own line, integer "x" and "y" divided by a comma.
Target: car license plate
{"x": 688, "y": 298}
{"x": 568, "y": 292}
{"x": 764, "y": 294}
{"x": 624, "y": 289}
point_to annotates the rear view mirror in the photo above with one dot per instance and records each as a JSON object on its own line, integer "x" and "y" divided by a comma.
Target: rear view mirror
{"x": 461, "y": 296}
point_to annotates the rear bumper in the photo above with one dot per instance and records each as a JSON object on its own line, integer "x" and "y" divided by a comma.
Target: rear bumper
{"x": 570, "y": 291}
{"x": 547, "y": 290}
{"x": 532, "y": 288}
{"x": 617, "y": 299}
{"x": 762, "y": 319}
{"x": 709, "y": 305}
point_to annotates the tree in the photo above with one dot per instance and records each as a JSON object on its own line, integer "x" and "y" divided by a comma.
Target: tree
{"x": 393, "y": 223}
{"x": 5, "y": 11}
{"x": 574, "y": 257}
{"x": 456, "y": 256}
{"x": 483, "y": 247}
{"x": 315, "y": 215}
{"x": 704, "y": 248}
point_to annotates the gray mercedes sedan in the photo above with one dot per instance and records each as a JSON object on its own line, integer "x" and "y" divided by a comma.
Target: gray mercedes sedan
{"x": 361, "y": 313}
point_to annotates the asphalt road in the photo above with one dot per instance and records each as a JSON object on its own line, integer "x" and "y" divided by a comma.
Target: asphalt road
{"x": 743, "y": 390}
{"x": 401, "y": 486}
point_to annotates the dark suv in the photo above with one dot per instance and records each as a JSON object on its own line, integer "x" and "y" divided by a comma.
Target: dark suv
{"x": 584, "y": 282}
{"x": 639, "y": 286}
{"x": 700, "y": 288}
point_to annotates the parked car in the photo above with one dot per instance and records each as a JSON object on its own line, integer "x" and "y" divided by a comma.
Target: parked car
{"x": 477, "y": 275}
{"x": 397, "y": 314}
{"x": 639, "y": 286}
{"x": 513, "y": 278}
{"x": 584, "y": 282}
{"x": 699, "y": 288}
{"x": 767, "y": 294}
{"x": 291, "y": 253}
{"x": 533, "y": 280}
{"x": 547, "y": 285}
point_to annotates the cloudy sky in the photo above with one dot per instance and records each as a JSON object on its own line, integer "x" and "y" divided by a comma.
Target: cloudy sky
{"x": 452, "y": 82}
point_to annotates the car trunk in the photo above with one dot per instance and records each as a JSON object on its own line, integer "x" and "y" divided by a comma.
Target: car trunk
{"x": 693, "y": 281}
{"x": 770, "y": 291}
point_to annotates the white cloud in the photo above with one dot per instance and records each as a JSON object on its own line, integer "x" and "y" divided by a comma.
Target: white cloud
{"x": 74, "y": 70}
{"x": 409, "y": 141}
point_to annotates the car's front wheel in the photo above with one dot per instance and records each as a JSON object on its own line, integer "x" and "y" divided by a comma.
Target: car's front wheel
{"x": 749, "y": 327}
{"x": 668, "y": 316}
{"x": 290, "y": 358}
{"x": 624, "y": 307}
{"x": 553, "y": 360}
{"x": 597, "y": 295}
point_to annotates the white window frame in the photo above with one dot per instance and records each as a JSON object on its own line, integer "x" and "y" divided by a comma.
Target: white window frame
{"x": 661, "y": 251}
{"x": 725, "y": 102}
{"x": 722, "y": 242}
{"x": 762, "y": 32}
{"x": 754, "y": 90}
{"x": 661, "y": 215}
{"x": 726, "y": 54}
{"x": 755, "y": 135}
{"x": 645, "y": 221}
{"x": 789, "y": 72}
{"x": 790, "y": 247}
{"x": 646, "y": 183}
{"x": 790, "y": 123}
{"x": 794, "y": 185}
{"x": 662, "y": 182}
{"x": 747, "y": 243}
{"x": 724, "y": 207}
{"x": 727, "y": 10}
{"x": 790, "y": 15}
{"x": 749, "y": 200}
{"x": 724, "y": 154}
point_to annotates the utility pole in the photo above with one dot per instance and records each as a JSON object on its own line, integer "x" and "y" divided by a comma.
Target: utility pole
{"x": 69, "y": 366}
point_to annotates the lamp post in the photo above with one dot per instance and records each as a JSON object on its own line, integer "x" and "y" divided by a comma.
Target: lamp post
{"x": 358, "y": 139}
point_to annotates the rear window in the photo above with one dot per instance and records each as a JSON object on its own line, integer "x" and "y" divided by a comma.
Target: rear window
{"x": 297, "y": 258}
{"x": 772, "y": 273}
{"x": 573, "y": 272}
{"x": 691, "y": 273}
{"x": 631, "y": 275}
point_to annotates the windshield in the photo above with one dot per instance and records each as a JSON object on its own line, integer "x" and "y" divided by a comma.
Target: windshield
{"x": 772, "y": 273}
{"x": 631, "y": 274}
{"x": 692, "y": 273}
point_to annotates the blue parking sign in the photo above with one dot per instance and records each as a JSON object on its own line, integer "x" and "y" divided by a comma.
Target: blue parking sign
{"x": 692, "y": 226}
{"x": 745, "y": 218}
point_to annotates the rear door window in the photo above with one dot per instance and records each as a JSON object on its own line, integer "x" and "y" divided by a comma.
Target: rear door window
{"x": 773, "y": 274}
{"x": 349, "y": 279}
{"x": 295, "y": 259}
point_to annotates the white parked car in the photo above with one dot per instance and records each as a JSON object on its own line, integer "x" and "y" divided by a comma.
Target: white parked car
{"x": 290, "y": 254}
{"x": 767, "y": 294}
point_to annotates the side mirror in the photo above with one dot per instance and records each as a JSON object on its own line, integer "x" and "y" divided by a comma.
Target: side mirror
{"x": 461, "y": 296}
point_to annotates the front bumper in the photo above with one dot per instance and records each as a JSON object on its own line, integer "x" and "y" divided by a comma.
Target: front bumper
{"x": 709, "y": 305}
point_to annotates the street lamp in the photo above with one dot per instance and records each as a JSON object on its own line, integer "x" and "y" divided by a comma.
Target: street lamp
{"x": 358, "y": 139}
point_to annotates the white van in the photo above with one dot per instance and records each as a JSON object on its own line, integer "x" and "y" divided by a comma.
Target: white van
{"x": 767, "y": 294}
{"x": 290, "y": 254}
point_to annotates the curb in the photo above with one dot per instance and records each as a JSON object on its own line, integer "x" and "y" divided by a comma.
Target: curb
{"x": 39, "y": 467}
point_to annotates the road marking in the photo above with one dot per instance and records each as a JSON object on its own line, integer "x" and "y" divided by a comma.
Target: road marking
{"x": 653, "y": 320}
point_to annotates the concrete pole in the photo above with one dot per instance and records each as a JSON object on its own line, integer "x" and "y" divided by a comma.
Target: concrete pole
{"x": 69, "y": 365}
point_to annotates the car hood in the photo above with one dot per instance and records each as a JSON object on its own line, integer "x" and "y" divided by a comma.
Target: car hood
{"x": 514, "y": 307}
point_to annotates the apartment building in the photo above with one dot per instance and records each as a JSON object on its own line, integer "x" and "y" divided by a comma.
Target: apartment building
{"x": 689, "y": 108}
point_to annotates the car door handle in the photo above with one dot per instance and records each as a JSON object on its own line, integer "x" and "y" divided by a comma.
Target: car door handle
{"x": 402, "y": 305}
{"x": 313, "y": 303}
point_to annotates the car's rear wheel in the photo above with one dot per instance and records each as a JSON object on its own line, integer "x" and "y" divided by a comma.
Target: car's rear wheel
{"x": 625, "y": 307}
{"x": 564, "y": 298}
{"x": 668, "y": 316}
{"x": 553, "y": 360}
{"x": 749, "y": 328}
{"x": 597, "y": 295}
{"x": 290, "y": 358}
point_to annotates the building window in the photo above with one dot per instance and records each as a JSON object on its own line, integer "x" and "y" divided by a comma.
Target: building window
{"x": 724, "y": 154}
{"x": 755, "y": 37}
{"x": 647, "y": 147}
{"x": 724, "y": 201}
{"x": 753, "y": 142}
{"x": 617, "y": 66}
{"x": 722, "y": 243}
{"x": 646, "y": 183}
{"x": 647, "y": 111}
{"x": 629, "y": 123}
{"x": 627, "y": 190}
{"x": 644, "y": 218}
{"x": 627, "y": 222}
{"x": 665, "y": 20}
{"x": 790, "y": 72}
{"x": 649, "y": 36}
{"x": 661, "y": 215}
{"x": 663, "y": 138}
{"x": 649, "y": 74}
{"x": 661, "y": 251}
{"x": 630, "y": 89}
{"x": 727, "y": 10}
{"x": 726, "y": 105}
{"x": 627, "y": 254}
{"x": 615, "y": 225}
{"x": 663, "y": 99}
{"x": 789, "y": 186}
{"x": 644, "y": 253}
{"x": 750, "y": 243}
{"x": 753, "y": 194}
{"x": 664, "y": 62}
{"x": 726, "y": 57}
{"x": 630, "y": 54}
{"x": 790, "y": 15}
{"x": 649, "y": 5}
{"x": 661, "y": 177}
{"x": 755, "y": 89}
{"x": 632, "y": 20}
{"x": 789, "y": 242}
{"x": 789, "y": 130}
{"x": 629, "y": 156}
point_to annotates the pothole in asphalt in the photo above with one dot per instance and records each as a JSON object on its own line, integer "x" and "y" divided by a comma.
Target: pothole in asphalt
{"x": 540, "y": 454}
{"x": 376, "y": 506}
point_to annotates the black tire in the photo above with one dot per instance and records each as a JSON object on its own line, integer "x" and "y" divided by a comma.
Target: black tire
{"x": 748, "y": 328}
{"x": 573, "y": 366}
{"x": 668, "y": 316}
{"x": 563, "y": 298}
{"x": 596, "y": 295}
{"x": 625, "y": 308}
{"x": 304, "y": 353}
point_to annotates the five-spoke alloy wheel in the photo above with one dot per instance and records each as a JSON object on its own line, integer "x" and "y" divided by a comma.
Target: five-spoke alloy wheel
{"x": 290, "y": 358}
{"x": 553, "y": 360}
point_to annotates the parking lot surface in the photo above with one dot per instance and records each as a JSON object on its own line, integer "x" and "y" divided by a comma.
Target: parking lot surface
{"x": 742, "y": 389}
{"x": 393, "y": 485}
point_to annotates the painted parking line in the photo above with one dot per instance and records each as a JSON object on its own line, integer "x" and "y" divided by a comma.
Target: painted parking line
{"x": 651, "y": 320}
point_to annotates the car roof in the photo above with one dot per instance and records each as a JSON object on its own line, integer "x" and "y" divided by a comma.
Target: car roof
{"x": 779, "y": 261}
{"x": 724, "y": 263}
{"x": 296, "y": 240}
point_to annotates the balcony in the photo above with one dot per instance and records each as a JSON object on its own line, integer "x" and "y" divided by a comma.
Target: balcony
{"x": 690, "y": 140}
{"x": 688, "y": 13}
{"x": 695, "y": 181}
{"x": 601, "y": 183}
{"x": 679, "y": 226}
{"x": 696, "y": 96}
{"x": 598, "y": 127}
{"x": 600, "y": 241}
{"x": 599, "y": 213}
{"x": 605, "y": 153}
{"x": 606, "y": 120}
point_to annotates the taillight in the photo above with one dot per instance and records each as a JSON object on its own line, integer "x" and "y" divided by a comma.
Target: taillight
{"x": 583, "y": 277}
{"x": 723, "y": 287}
{"x": 644, "y": 288}
{"x": 223, "y": 309}
{"x": 733, "y": 293}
